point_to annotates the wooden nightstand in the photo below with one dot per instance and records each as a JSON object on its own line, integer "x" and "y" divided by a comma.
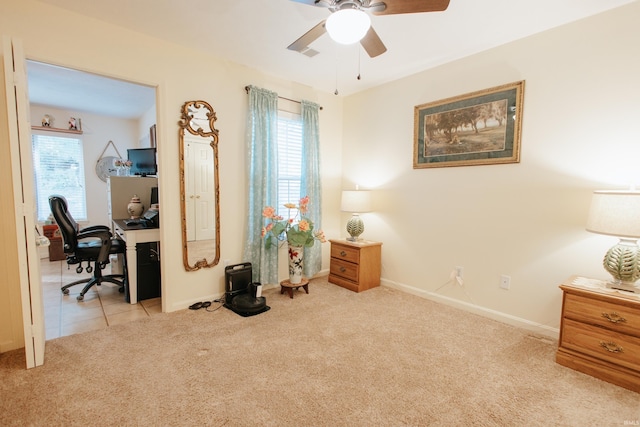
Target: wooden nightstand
{"x": 355, "y": 265}
{"x": 600, "y": 332}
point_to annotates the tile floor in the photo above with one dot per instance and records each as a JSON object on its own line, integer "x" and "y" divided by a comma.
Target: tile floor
{"x": 102, "y": 306}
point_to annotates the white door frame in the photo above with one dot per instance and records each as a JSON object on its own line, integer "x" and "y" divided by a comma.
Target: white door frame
{"x": 24, "y": 200}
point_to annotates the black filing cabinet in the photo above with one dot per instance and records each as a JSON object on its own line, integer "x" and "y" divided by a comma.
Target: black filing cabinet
{"x": 148, "y": 255}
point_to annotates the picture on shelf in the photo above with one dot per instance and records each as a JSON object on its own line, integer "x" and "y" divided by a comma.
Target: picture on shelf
{"x": 74, "y": 124}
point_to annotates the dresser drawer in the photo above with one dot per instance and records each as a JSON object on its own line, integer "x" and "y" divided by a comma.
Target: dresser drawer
{"x": 345, "y": 253}
{"x": 344, "y": 269}
{"x": 615, "y": 317}
{"x": 613, "y": 347}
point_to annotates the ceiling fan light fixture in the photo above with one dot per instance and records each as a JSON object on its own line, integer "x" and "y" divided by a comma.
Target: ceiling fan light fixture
{"x": 348, "y": 26}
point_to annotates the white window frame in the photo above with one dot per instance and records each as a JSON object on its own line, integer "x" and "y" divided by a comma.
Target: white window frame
{"x": 289, "y": 160}
{"x": 64, "y": 154}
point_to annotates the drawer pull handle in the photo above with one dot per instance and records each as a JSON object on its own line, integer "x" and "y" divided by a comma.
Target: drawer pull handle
{"x": 342, "y": 269}
{"x": 611, "y": 347}
{"x": 343, "y": 253}
{"x": 614, "y": 317}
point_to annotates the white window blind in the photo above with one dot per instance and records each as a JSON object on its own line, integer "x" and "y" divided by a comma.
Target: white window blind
{"x": 58, "y": 168}
{"x": 289, "y": 160}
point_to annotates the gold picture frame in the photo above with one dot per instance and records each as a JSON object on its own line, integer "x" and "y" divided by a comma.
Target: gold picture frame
{"x": 478, "y": 128}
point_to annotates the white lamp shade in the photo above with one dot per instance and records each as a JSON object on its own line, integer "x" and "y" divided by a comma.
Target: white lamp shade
{"x": 348, "y": 26}
{"x": 356, "y": 201}
{"x": 615, "y": 213}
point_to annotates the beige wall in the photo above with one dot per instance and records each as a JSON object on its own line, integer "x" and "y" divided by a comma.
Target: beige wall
{"x": 59, "y": 37}
{"x": 526, "y": 220}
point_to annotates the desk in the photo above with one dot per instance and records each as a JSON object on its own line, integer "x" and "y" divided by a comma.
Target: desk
{"x": 132, "y": 236}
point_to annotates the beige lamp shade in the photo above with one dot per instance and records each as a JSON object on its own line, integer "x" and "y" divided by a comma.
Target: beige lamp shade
{"x": 356, "y": 201}
{"x": 615, "y": 213}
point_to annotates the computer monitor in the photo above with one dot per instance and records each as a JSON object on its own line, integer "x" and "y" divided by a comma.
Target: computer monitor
{"x": 143, "y": 161}
{"x": 154, "y": 196}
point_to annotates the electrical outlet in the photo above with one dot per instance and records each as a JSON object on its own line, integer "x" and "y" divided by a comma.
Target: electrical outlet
{"x": 226, "y": 262}
{"x": 459, "y": 271}
{"x": 505, "y": 282}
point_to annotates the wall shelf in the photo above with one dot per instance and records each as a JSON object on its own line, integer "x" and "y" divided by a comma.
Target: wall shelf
{"x": 50, "y": 129}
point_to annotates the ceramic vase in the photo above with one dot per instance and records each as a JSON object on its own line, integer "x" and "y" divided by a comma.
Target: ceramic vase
{"x": 135, "y": 207}
{"x": 296, "y": 256}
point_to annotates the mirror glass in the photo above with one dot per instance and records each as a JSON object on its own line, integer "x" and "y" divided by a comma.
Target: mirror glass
{"x": 199, "y": 188}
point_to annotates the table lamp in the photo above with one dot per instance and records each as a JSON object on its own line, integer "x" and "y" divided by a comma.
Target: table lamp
{"x": 356, "y": 202}
{"x": 617, "y": 213}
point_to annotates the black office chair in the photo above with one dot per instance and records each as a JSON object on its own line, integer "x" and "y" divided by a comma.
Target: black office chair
{"x": 91, "y": 244}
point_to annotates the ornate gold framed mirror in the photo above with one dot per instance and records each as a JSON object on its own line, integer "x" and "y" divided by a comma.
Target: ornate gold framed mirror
{"x": 199, "y": 186}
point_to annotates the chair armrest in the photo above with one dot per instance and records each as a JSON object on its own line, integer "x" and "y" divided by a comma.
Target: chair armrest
{"x": 102, "y": 233}
{"x": 95, "y": 231}
{"x": 95, "y": 227}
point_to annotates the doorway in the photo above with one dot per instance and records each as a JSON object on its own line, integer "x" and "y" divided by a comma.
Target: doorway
{"x": 109, "y": 116}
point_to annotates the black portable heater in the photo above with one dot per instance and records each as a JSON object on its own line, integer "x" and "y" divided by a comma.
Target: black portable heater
{"x": 240, "y": 292}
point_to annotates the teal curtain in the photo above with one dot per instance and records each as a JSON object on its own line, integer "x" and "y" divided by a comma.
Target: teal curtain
{"x": 310, "y": 184}
{"x": 262, "y": 180}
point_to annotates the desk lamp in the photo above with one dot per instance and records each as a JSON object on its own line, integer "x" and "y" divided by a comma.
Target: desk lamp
{"x": 356, "y": 202}
{"x": 617, "y": 213}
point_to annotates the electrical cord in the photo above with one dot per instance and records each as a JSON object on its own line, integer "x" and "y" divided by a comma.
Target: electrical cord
{"x": 206, "y": 305}
{"x": 216, "y": 308}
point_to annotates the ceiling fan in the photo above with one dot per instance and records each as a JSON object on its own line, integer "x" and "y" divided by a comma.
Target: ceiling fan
{"x": 371, "y": 41}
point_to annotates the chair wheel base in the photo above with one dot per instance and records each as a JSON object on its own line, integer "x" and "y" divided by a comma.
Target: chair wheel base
{"x": 80, "y": 297}
{"x": 65, "y": 291}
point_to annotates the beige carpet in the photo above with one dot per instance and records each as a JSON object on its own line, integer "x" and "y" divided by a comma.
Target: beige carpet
{"x": 330, "y": 358}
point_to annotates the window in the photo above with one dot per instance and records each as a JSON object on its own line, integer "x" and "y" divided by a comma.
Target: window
{"x": 58, "y": 168}
{"x": 289, "y": 160}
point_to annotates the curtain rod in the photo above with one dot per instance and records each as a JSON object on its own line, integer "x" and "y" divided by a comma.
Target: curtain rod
{"x": 247, "y": 89}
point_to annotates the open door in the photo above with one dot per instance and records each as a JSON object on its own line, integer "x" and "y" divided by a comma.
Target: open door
{"x": 24, "y": 200}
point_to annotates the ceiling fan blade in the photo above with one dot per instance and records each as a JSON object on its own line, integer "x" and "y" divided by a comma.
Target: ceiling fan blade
{"x": 372, "y": 43}
{"x": 308, "y": 37}
{"x": 321, "y": 3}
{"x": 411, "y": 6}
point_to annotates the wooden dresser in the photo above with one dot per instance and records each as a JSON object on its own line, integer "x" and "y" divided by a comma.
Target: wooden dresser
{"x": 355, "y": 265}
{"x": 600, "y": 333}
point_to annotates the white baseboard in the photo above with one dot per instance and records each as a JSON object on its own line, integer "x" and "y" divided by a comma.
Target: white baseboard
{"x": 519, "y": 322}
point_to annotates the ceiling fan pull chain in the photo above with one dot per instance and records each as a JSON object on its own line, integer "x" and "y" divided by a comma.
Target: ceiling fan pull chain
{"x": 337, "y": 62}
{"x": 359, "y": 62}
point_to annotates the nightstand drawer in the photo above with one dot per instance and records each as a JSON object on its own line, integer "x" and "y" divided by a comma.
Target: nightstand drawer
{"x": 345, "y": 253}
{"x": 344, "y": 269}
{"x": 603, "y": 344}
{"x": 615, "y": 317}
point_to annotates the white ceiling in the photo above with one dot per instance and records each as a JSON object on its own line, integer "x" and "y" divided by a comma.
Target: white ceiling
{"x": 78, "y": 91}
{"x": 256, "y": 33}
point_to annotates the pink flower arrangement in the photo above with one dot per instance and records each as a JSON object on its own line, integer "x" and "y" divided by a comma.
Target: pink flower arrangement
{"x": 296, "y": 234}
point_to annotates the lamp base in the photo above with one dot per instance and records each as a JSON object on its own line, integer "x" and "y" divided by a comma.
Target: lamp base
{"x": 355, "y": 227}
{"x": 622, "y": 261}
{"x": 623, "y": 286}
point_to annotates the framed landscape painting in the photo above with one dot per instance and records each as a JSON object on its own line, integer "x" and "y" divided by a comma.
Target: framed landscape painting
{"x": 479, "y": 128}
